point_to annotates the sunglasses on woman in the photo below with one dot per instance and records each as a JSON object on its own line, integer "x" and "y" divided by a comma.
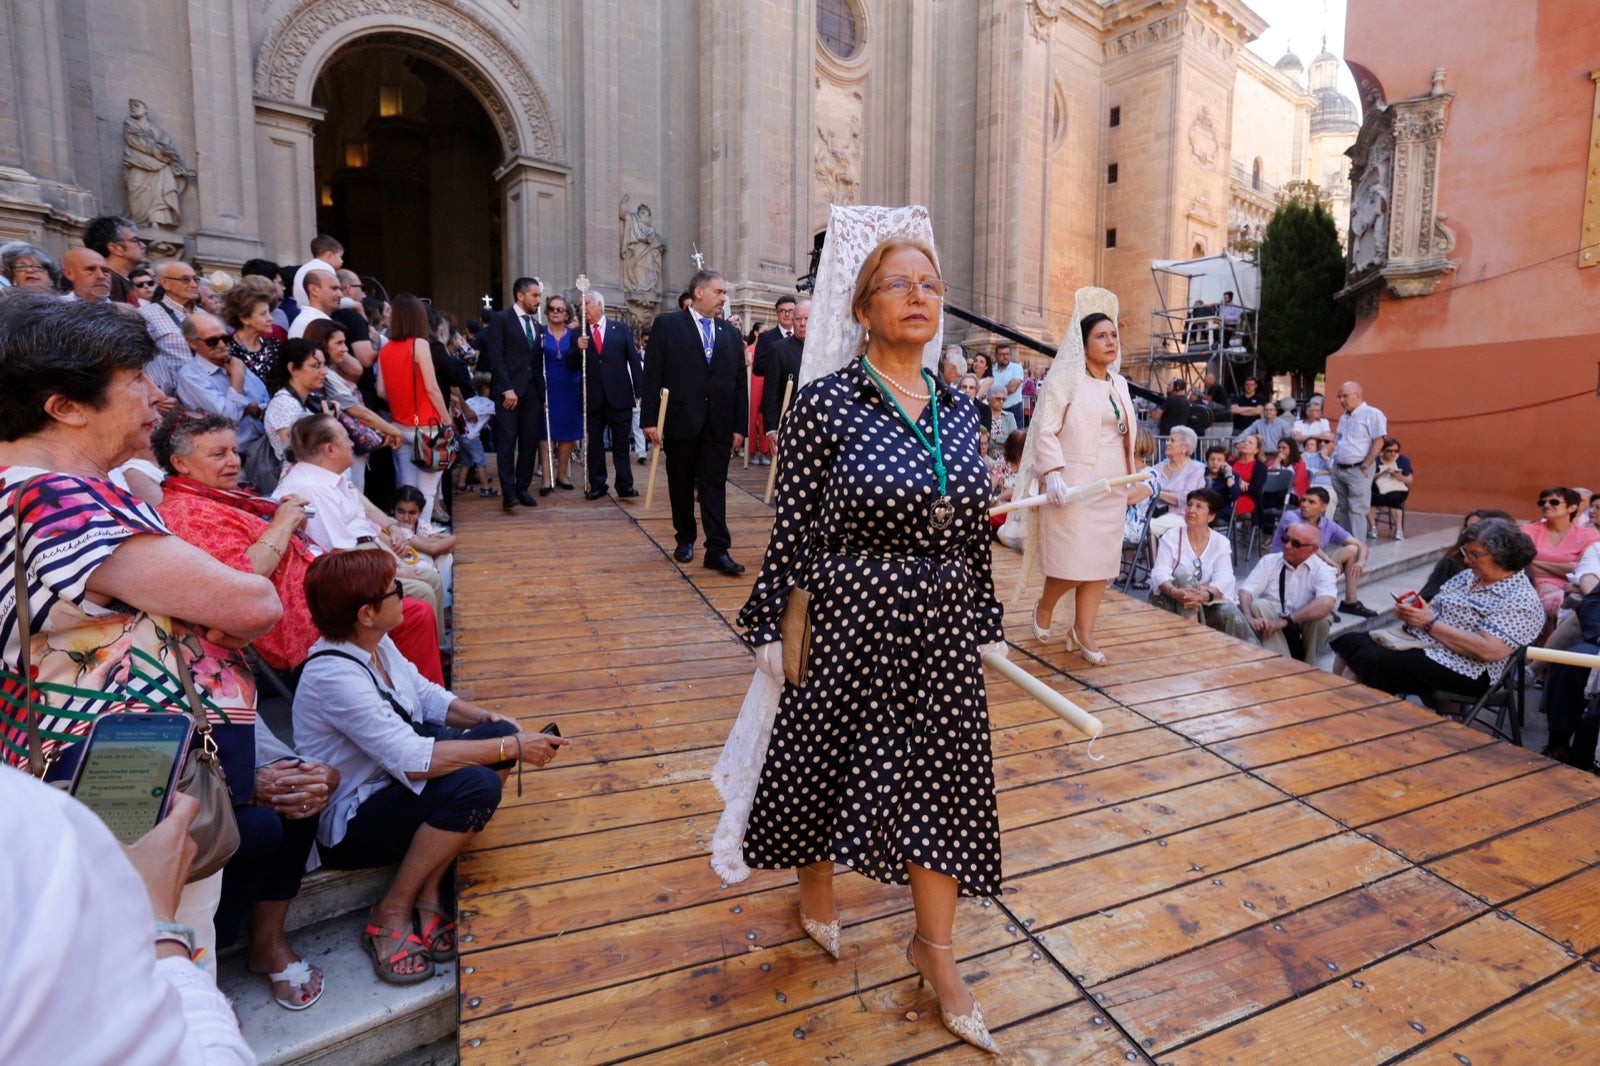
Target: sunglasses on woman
{"x": 1552, "y": 501}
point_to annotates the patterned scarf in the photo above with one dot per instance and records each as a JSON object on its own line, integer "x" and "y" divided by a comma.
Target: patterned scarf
{"x": 262, "y": 507}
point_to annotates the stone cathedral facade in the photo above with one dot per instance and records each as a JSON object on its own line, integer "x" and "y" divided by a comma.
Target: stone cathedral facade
{"x": 455, "y": 144}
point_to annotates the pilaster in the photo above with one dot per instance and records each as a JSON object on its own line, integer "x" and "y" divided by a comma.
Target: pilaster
{"x": 226, "y": 231}
{"x": 286, "y": 176}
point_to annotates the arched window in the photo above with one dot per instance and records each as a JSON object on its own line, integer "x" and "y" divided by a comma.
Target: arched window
{"x": 1255, "y": 174}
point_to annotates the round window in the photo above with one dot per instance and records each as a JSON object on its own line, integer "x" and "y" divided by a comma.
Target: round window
{"x": 839, "y": 27}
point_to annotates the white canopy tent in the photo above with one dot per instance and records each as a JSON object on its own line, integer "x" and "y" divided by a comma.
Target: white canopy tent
{"x": 1182, "y": 336}
{"x": 1180, "y": 282}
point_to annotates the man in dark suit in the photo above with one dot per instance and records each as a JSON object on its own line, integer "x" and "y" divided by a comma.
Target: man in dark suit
{"x": 769, "y": 338}
{"x": 615, "y": 371}
{"x": 700, "y": 360}
{"x": 784, "y": 365}
{"x": 515, "y": 348}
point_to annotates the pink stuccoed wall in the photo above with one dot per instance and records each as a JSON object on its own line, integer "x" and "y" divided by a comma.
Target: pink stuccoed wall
{"x": 1516, "y": 329}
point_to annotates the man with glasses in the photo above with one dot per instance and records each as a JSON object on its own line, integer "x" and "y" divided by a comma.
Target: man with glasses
{"x": 114, "y": 237}
{"x": 219, "y": 382}
{"x": 180, "y": 289}
{"x": 1288, "y": 598}
{"x": 1340, "y": 549}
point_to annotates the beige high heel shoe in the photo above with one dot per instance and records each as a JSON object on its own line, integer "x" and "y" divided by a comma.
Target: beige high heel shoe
{"x": 969, "y": 1027}
{"x": 826, "y": 934}
{"x": 1096, "y": 658}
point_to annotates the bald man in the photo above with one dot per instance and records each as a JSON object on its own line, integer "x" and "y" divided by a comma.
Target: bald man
{"x": 89, "y": 274}
{"x": 1288, "y": 598}
{"x": 1358, "y": 441}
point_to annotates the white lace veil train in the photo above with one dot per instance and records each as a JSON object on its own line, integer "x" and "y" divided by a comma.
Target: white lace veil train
{"x": 1056, "y": 393}
{"x": 833, "y": 338}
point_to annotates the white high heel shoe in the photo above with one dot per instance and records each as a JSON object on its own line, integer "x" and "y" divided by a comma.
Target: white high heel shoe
{"x": 1096, "y": 658}
{"x": 1040, "y": 633}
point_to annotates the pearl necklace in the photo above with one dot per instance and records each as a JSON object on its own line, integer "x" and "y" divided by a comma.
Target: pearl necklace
{"x": 895, "y": 385}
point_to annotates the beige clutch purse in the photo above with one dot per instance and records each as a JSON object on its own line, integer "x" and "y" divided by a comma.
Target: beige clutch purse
{"x": 795, "y": 629}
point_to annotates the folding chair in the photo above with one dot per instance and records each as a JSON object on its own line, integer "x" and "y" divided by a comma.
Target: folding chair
{"x": 1274, "y": 501}
{"x": 1142, "y": 559}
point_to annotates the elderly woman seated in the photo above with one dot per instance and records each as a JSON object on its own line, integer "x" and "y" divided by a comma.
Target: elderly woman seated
{"x": 417, "y": 765}
{"x": 997, "y": 420}
{"x": 1463, "y": 636}
{"x": 1193, "y": 572}
{"x": 343, "y": 518}
{"x": 1177, "y": 476}
{"x": 27, "y": 268}
{"x": 203, "y": 503}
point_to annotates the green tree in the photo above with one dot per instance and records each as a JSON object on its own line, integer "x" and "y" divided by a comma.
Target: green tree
{"x": 1302, "y": 266}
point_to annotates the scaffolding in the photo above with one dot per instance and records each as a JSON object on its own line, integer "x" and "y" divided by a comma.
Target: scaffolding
{"x": 1196, "y": 328}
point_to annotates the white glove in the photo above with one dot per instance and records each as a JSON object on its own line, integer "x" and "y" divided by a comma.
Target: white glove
{"x": 1056, "y": 488}
{"x": 769, "y": 660}
{"x": 998, "y": 647}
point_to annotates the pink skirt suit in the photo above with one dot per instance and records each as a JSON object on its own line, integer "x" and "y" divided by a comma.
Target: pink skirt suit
{"x": 1083, "y": 540}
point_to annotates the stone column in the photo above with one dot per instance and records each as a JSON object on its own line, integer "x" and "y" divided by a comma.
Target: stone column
{"x": 286, "y": 177}
{"x": 39, "y": 193}
{"x": 224, "y": 159}
{"x": 535, "y": 223}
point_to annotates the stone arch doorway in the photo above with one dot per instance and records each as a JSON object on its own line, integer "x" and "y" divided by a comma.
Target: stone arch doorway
{"x": 488, "y": 61}
{"x": 405, "y": 159}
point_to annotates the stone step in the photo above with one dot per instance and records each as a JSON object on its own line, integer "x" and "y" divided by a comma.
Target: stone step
{"x": 359, "y": 1021}
{"x": 327, "y": 894}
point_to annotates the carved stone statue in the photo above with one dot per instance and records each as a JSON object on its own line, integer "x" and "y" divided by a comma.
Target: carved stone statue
{"x": 1372, "y": 187}
{"x": 642, "y": 249}
{"x": 153, "y": 170}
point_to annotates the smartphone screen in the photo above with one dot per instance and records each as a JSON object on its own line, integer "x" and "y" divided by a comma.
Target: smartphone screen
{"x": 129, "y": 768}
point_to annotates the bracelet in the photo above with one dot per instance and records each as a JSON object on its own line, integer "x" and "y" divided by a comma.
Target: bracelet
{"x": 1428, "y": 629}
{"x": 178, "y": 934}
{"x": 265, "y": 544}
{"x": 502, "y": 757}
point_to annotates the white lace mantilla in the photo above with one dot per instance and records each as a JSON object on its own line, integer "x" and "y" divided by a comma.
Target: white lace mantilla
{"x": 833, "y": 338}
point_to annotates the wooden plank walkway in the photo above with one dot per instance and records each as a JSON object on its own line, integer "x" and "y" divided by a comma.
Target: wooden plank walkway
{"x": 1267, "y": 865}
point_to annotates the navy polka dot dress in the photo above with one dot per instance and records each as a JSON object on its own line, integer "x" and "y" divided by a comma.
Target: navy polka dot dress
{"x": 883, "y": 757}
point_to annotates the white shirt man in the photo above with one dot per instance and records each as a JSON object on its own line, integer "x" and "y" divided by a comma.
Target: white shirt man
{"x": 1009, "y": 374}
{"x": 323, "y": 294}
{"x": 1358, "y": 440}
{"x": 1289, "y": 597}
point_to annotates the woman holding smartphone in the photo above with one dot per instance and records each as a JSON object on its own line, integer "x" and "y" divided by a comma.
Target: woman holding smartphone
{"x": 420, "y": 769}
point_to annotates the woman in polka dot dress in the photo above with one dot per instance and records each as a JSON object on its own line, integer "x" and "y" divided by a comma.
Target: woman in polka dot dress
{"x": 881, "y": 760}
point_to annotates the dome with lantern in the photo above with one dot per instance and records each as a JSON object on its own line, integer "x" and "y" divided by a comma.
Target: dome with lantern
{"x": 1334, "y": 112}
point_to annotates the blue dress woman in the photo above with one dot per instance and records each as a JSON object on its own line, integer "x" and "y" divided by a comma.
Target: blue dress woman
{"x": 565, "y": 385}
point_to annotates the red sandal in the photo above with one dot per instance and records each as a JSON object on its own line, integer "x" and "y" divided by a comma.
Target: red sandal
{"x": 402, "y": 945}
{"x": 437, "y": 933}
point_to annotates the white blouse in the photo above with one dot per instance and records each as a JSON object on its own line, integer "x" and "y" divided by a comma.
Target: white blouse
{"x": 1174, "y": 554}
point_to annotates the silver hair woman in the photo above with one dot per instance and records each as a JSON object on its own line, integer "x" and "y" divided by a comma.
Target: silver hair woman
{"x": 1467, "y": 631}
{"x": 27, "y": 267}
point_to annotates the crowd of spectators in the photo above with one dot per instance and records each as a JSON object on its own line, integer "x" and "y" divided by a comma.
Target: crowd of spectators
{"x": 244, "y": 438}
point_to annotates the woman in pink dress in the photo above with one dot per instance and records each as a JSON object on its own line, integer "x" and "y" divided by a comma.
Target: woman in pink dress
{"x": 1083, "y": 431}
{"x": 1558, "y": 542}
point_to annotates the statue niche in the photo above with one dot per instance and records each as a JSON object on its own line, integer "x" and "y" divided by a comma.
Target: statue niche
{"x": 152, "y": 169}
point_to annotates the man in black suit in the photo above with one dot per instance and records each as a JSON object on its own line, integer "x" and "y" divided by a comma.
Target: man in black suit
{"x": 782, "y": 366}
{"x": 700, "y": 360}
{"x": 515, "y": 347}
{"x": 615, "y": 370}
{"x": 769, "y": 338}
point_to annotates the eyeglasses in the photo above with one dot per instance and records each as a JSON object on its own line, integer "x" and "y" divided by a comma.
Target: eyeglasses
{"x": 145, "y": 283}
{"x": 212, "y": 342}
{"x": 131, "y": 239}
{"x": 1552, "y": 501}
{"x": 558, "y": 311}
{"x": 180, "y": 279}
{"x": 1290, "y": 542}
{"x": 28, "y": 268}
{"x": 900, "y": 288}
{"x": 398, "y": 592}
